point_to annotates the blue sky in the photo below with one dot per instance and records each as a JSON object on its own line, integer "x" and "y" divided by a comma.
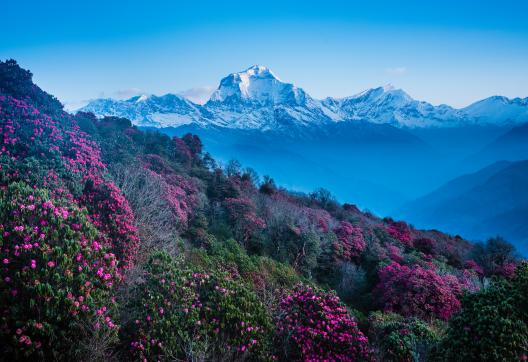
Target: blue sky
{"x": 452, "y": 52}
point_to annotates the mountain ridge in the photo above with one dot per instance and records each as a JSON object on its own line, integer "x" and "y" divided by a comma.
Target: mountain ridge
{"x": 257, "y": 99}
{"x": 477, "y": 204}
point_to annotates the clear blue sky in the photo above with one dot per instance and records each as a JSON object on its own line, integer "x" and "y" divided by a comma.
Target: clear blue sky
{"x": 452, "y": 52}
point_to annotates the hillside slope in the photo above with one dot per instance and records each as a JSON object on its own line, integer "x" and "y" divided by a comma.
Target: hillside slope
{"x": 491, "y": 201}
{"x": 512, "y": 145}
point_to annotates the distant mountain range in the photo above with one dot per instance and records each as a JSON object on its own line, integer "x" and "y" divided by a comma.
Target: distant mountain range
{"x": 491, "y": 201}
{"x": 511, "y": 146}
{"x": 257, "y": 99}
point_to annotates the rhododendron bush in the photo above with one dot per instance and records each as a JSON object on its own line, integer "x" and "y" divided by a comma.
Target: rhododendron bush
{"x": 401, "y": 339}
{"x": 492, "y": 325}
{"x": 400, "y": 231}
{"x": 180, "y": 193}
{"x": 56, "y": 277}
{"x": 109, "y": 211}
{"x": 72, "y": 160}
{"x": 350, "y": 241}
{"x": 186, "y": 315}
{"x": 315, "y": 326}
{"x": 241, "y": 213}
{"x": 415, "y": 291}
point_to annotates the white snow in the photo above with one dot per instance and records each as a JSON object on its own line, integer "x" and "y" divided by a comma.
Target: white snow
{"x": 142, "y": 98}
{"x": 171, "y": 119}
{"x": 499, "y": 110}
{"x": 257, "y": 84}
{"x": 257, "y": 99}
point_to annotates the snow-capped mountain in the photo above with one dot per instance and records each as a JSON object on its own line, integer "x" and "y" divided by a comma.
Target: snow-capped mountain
{"x": 499, "y": 110}
{"x": 257, "y": 99}
{"x": 259, "y": 85}
{"x": 393, "y": 106}
{"x": 169, "y": 110}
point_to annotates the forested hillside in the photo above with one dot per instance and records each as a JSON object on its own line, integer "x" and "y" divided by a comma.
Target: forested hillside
{"x": 120, "y": 244}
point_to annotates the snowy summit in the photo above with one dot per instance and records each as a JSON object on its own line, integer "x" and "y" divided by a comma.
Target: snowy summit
{"x": 257, "y": 99}
{"x": 257, "y": 84}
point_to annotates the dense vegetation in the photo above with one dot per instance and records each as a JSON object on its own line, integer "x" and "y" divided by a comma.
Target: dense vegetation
{"x": 122, "y": 244}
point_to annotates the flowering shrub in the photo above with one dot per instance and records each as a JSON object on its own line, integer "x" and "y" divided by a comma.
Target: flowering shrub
{"x": 191, "y": 315}
{"x": 492, "y": 325}
{"x": 425, "y": 245}
{"x": 474, "y": 267}
{"x": 111, "y": 214}
{"x": 496, "y": 257}
{"x": 182, "y": 151}
{"x": 318, "y": 217}
{"x": 394, "y": 253}
{"x": 469, "y": 281}
{"x": 400, "y": 339}
{"x": 194, "y": 143}
{"x": 415, "y": 291}
{"x": 72, "y": 160}
{"x": 400, "y": 231}
{"x": 56, "y": 278}
{"x": 242, "y": 215}
{"x": 179, "y": 192}
{"x": 350, "y": 241}
{"x": 507, "y": 269}
{"x": 315, "y": 326}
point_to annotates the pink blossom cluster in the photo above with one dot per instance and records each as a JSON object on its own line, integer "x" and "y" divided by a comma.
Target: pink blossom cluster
{"x": 475, "y": 267}
{"x": 315, "y": 326}
{"x": 112, "y": 215}
{"x": 415, "y": 291}
{"x": 394, "y": 253}
{"x": 242, "y": 214}
{"x": 350, "y": 243}
{"x": 52, "y": 270}
{"x": 180, "y": 192}
{"x": 506, "y": 269}
{"x": 197, "y": 304}
{"x": 183, "y": 152}
{"x": 400, "y": 231}
{"x": 319, "y": 217}
{"x": 25, "y": 132}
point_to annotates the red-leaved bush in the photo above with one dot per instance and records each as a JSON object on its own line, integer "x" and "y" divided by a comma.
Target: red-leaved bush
{"x": 242, "y": 215}
{"x": 350, "y": 243}
{"x": 111, "y": 214}
{"x": 180, "y": 193}
{"x": 415, "y": 291}
{"x": 315, "y": 326}
{"x": 400, "y": 231}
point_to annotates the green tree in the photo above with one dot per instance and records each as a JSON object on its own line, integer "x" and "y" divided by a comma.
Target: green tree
{"x": 492, "y": 325}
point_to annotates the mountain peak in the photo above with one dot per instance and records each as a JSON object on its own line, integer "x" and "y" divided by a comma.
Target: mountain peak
{"x": 257, "y": 84}
{"x": 388, "y": 87}
{"x": 260, "y": 71}
{"x": 138, "y": 98}
{"x": 380, "y": 93}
